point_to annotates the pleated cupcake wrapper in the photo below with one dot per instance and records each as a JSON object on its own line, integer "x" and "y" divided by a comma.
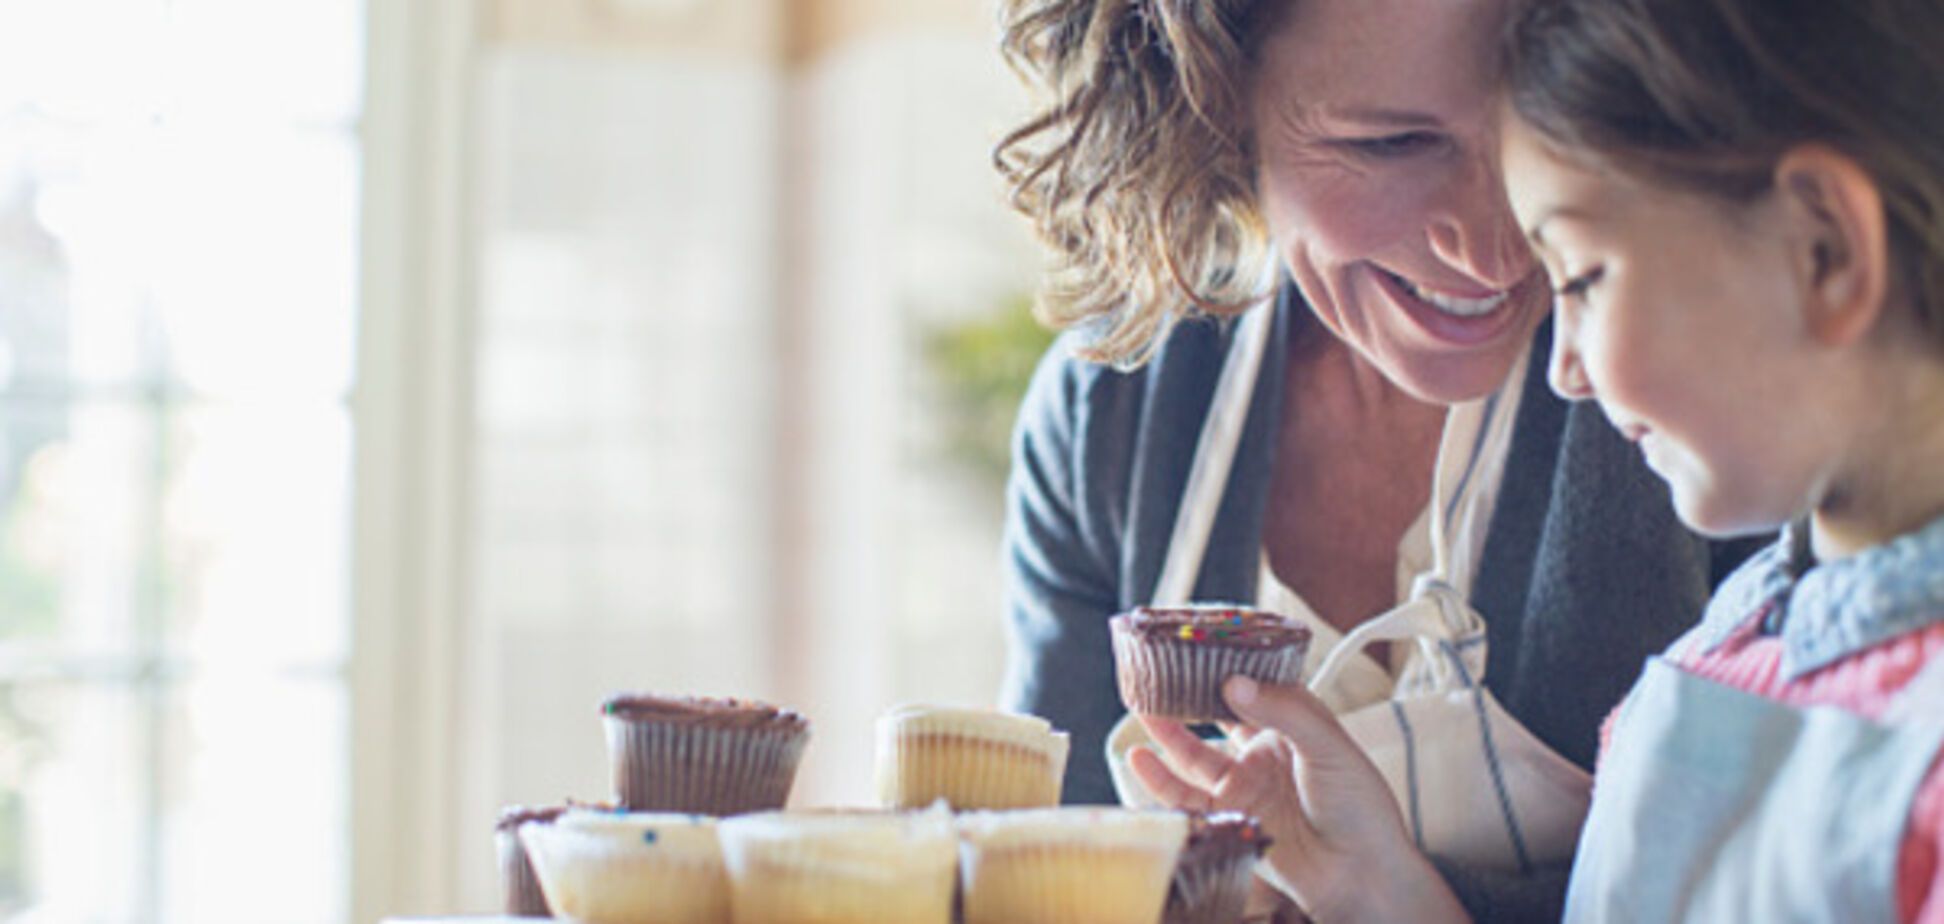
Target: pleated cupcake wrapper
{"x": 1064, "y": 883}
{"x": 915, "y": 769}
{"x": 707, "y": 771}
{"x": 1211, "y": 892}
{"x": 803, "y": 881}
{"x": 1183, "y": 679}
{"x": 614, "y": 887}
{"x": 519, "y": 886}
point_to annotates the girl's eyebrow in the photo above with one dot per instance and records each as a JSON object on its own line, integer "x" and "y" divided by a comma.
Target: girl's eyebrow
{"x": 1563, "y": 212}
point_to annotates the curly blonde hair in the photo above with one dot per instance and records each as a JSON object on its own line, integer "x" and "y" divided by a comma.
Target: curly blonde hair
{"x": 1139, "y": 173}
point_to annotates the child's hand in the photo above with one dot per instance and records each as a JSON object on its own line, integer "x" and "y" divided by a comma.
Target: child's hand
{"x": 1340, "y": 847}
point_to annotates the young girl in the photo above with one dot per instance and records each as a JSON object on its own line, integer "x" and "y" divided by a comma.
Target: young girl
{"x": 1741, "y": 206}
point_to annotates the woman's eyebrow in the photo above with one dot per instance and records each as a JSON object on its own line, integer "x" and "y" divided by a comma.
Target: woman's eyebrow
{"x": 1379, "y": 115}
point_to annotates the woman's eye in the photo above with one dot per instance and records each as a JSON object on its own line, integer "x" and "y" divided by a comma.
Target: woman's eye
{"x": 1392, "y": 146}
{"x": 1576, "y": 287}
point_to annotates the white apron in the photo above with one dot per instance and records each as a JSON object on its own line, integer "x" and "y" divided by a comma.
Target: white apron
{"x": 1475, "y": 786}
{"x": 1715, "y": 804}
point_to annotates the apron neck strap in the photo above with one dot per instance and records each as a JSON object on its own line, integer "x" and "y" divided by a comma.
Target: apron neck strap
{"x": 1214, "y": 457}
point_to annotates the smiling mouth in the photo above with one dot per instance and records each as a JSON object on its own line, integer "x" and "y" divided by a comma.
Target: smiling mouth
{"x": 1453, "y": 305}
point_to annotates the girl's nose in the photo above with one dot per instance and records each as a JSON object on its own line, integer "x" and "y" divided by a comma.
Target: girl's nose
{"x": 1566, "y": 374}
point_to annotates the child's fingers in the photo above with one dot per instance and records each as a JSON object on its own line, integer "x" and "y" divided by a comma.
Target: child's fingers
{"x": 1204, "y": 764}
{"x": 1164, "y": 785}
{"x": 1238, "y": 733}
{"x": 1289, "y": 709}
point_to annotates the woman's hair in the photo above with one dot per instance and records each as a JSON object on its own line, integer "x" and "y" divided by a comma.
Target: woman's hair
{"x": 1138, "y": 172}
{"x": 1708, "y": 95}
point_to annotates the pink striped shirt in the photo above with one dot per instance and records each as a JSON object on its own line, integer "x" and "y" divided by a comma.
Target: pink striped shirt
{"x": 1865, "y": 682}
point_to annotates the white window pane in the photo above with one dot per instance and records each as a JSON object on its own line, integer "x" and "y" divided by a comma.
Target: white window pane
{"x": 81, "y": 59}
{"x": 76, "y": 501}
{"x": 254, "y": 521}
{"x": 71, "y": 847}
{"x": 252, "y": 259}
{"x": 225, "y": 258}
{"x": 34, "y": 270}
{"x": 254, "y": 825}
{"x": 259, "y": 60}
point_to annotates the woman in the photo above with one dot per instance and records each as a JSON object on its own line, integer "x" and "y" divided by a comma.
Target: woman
{"x": 1345, "y": 148}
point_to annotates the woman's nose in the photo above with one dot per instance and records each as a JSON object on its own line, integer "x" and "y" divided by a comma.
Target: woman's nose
{"x": 1476, "y": 232}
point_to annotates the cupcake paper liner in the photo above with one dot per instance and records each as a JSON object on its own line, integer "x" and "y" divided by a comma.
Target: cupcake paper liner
{"x": 1087, "y": 868}
{"x": 859, "y": 868}
{"x": 689, "y": 767}
{"x": 631, "y": 869}
{"x": 519, "y": 887}
{"x": 922, "y": 759}
{"x": 1211, "y": 893}
{"x": 1183, "y": 680}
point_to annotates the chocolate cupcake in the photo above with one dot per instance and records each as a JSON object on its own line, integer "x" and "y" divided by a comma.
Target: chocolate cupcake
{"x": 521, "y": 891}
{"x": 702, "y": 755}
{"x": 1212, "y": 877}
{"x": 1172, "y": 661}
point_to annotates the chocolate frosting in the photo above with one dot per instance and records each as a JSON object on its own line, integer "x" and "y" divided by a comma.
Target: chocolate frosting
{"x": 722, "y": 712}
{"x": 513, "y": 816}
{"x": 1228, "y": 626}
{"x": 1214, "y": 838}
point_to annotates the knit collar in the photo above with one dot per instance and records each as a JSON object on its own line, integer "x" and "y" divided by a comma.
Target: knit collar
{"x": 1827, "y": 611}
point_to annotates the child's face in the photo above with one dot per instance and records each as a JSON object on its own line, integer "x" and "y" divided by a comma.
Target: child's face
{"x": 1682, "y": 316}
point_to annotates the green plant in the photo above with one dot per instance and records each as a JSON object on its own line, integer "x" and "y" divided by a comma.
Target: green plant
{"x": 982, "y": 367}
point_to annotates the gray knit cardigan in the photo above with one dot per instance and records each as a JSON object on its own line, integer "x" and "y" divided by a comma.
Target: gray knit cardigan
{"x": 1586, "y": 570}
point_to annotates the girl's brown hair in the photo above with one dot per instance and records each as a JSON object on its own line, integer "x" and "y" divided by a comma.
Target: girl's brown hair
{"x": 1708, "y": 95}
{"x": 1138, "y": 173}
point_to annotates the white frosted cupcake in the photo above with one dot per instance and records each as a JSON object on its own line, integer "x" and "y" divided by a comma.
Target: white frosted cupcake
{"x": 1068, "y": 865}
{"x": 630, "y": 868}
{"x": 841, "y": 867}
{"x": 971, "y": 758}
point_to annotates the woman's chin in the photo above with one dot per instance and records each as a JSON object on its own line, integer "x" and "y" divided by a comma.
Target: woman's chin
{"x": 1443, "y": 378}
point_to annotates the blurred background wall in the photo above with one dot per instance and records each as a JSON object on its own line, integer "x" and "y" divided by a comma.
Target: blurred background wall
{"x": 384, "y": 382}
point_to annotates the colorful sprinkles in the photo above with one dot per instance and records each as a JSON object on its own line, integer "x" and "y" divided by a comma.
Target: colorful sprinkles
{"x": 1229, "y": 625}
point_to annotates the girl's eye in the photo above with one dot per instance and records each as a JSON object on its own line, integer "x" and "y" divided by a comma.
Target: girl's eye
{"x": 1393, "y": 146}
{"x": 1576, "y": 287}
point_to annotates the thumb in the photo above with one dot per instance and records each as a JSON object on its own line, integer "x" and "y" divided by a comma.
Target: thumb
{"x": 1287, "y": 708}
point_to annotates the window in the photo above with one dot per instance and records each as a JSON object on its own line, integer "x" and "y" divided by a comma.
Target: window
{"x": 178, "y": 295}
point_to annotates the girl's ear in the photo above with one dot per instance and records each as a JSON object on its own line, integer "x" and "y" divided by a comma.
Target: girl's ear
{"x": 1843, "y": 254}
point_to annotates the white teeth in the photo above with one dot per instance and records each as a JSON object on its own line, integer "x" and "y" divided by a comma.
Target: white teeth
{"x": 1463, "y": 307}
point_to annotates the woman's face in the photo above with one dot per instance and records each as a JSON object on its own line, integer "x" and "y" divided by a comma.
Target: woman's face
{"x": 1374, "y": 123}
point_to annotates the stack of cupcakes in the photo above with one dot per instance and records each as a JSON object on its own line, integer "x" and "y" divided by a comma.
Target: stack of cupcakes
{"x": 676, "y": 762}
{"x": 699, "y": 834}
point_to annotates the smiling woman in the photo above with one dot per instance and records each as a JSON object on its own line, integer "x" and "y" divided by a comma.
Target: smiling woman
{"x": 1378, "y": 442}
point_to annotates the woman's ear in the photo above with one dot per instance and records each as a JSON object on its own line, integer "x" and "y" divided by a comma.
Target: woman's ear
{"x": 1843, "y": 254}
